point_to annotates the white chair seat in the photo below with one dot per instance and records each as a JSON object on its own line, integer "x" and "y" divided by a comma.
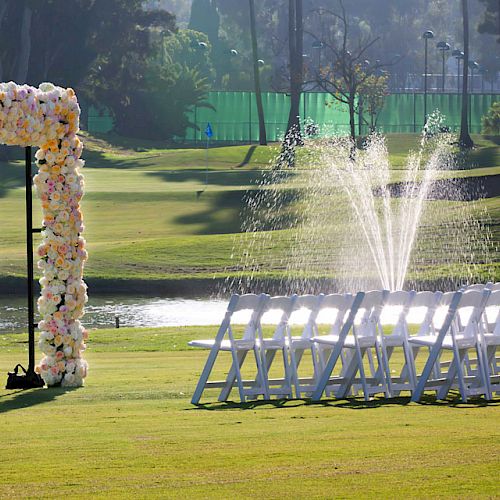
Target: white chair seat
{"x": 430, "y": 340}
{"x": 394, "y": 340}
{"x": 271, "y": 344}
{"x": 491, "y": 339}
{"x": 349, "y": 341}
{"x": 241, "y": 345}
{"x": 301, "y": 343}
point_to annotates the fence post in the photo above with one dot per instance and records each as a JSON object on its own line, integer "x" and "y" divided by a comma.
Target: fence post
{"x": 195, "y": 125}
{"x": 414, "y": 112}
{"x": 250, "y": 117}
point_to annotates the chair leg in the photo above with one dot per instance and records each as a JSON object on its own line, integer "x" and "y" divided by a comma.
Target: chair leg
{"x": 327, "y": 371}
{"x": 239, "y": 381}
{"x": 370, "y": 362}
{"x": 231, "y": 376}
{"x": 295, "y": 368}
{"x": 262, "y": 369}
{"x": 455, "y": 371}
{"x": 483, "y": 370}
{"x": 386, "y": 356}
{"x": 348, "y": 373}
{"x": 409, "y": 366}
{"x": 214, "y": 351}
{"x": 359, "y": 353}
{"x": 288, "y": 372}
{"x": 428, "y": 368}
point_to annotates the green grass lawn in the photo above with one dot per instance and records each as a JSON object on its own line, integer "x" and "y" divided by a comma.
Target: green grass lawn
{"x": 131, "y": 432}
{"x": 149, "y": 215}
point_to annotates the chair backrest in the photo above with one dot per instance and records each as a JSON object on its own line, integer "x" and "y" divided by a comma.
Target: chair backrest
{"x": 332, "y": 311}
{"x": 441, "y": 310}
{"x": 491, "y": 314}
{"x": 304, "y": 313}
{"x": 478, "y": 286}
{"x": 470, "y": 310}
{"x": 277, "y": 311}
{"x": 422, "y": 309}
{"x": 395, "y": 311}
{"x": 368, "y": 315}
{"x": 395, "y": 307}
{"x": 250, "y": 302}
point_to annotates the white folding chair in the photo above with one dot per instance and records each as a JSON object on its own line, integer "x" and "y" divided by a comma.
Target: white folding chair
{"x": 365, "y": 330}
{"x": 306, "y": 310}
{"x": 337, "y": 344}
{"x": 238, "y": 348}
{"x": 366, "y": 337}
{"x": 394, "y": 316}
{"x": 277, "y": 310}
{"x": 422, "y": 312}
{"x": 459, "y": 334}
{"x": 490, "y": 340}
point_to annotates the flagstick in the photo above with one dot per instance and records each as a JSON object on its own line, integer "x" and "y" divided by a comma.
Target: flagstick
{"x": 206, "y": 161}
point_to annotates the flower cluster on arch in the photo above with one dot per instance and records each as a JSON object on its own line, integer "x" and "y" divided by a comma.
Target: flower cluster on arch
{"x": 48, "y": 117}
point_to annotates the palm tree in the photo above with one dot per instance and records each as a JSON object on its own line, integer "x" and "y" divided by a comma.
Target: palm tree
{"x": 465, "y": 140}
{"x": 256, "y": 76}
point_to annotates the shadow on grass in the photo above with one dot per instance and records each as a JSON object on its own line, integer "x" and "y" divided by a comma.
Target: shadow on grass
{"x": 12, "y": 176}
{"x": 31, "y": 397}
{"x": 453, "y": 401}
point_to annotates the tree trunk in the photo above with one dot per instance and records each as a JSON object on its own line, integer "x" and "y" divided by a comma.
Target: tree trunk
{"x": 465, "y": 139}
{"x": 25, "y": 47}
{"x": 352, "y": 116}
{"x": 295, "y": 42}
{"x": 256, "y": 77}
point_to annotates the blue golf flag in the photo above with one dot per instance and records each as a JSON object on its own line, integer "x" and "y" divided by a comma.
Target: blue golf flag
{"x": 208, "y": 131}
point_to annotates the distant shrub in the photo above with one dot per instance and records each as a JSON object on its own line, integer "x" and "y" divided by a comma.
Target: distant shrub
{"x": 491, "y": 120}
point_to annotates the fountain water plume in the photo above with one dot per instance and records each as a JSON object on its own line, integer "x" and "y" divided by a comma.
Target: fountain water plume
{"x": 339, "y": 218}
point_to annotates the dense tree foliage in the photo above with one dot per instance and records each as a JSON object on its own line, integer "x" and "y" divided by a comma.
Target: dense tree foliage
{"x": 115, "y": 53}
{"x": 490, "y": 20}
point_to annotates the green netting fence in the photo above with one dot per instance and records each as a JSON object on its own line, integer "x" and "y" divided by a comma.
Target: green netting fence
{"x": 234, "y": 117}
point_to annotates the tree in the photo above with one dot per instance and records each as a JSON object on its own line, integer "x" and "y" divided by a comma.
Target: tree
{"x": 205, "y": 18}
{"x": 490, "y": 21}
{"x": 256, "y": 70}
{"x": 349, "y": 74}
{"x": 465, "y": 140}
{"x": 373, "y": 92}
{"x": 295, "y": 47}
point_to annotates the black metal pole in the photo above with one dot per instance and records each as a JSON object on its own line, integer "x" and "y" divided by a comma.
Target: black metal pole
{"x": 458, "y": 75}
{"x": 30, "y": 379}
{"x": 29, "y": 262}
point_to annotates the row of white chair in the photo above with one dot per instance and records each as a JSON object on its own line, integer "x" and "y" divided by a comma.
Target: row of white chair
{"x": 368, "y": 325}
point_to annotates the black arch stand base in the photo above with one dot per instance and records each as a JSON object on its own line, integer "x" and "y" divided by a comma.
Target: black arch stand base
{"x": 21, "y": 378}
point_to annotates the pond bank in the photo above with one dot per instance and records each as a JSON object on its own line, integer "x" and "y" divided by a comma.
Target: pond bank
{"x": 197, "y": 287}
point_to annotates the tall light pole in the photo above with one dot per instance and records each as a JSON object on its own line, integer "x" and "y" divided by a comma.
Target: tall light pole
{"x": 458, "y": 55}
{"x": 426, "y": 36}
{"x": 318, "y": 45}
{"x": 473, "y": 65}
{"x": 443, "y": 47}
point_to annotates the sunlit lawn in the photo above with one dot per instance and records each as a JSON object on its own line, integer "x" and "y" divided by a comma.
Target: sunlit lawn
{"x": 132, "y": 432}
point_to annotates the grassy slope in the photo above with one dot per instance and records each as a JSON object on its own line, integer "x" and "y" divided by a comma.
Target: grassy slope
{"x": 131, "y": 432}
{"x": 144, "y": 219}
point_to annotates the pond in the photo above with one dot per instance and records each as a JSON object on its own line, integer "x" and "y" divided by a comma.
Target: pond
{"x": 100, "y": 312}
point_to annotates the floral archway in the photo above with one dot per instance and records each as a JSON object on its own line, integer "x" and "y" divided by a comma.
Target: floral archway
{"x": 48, "y": 117}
